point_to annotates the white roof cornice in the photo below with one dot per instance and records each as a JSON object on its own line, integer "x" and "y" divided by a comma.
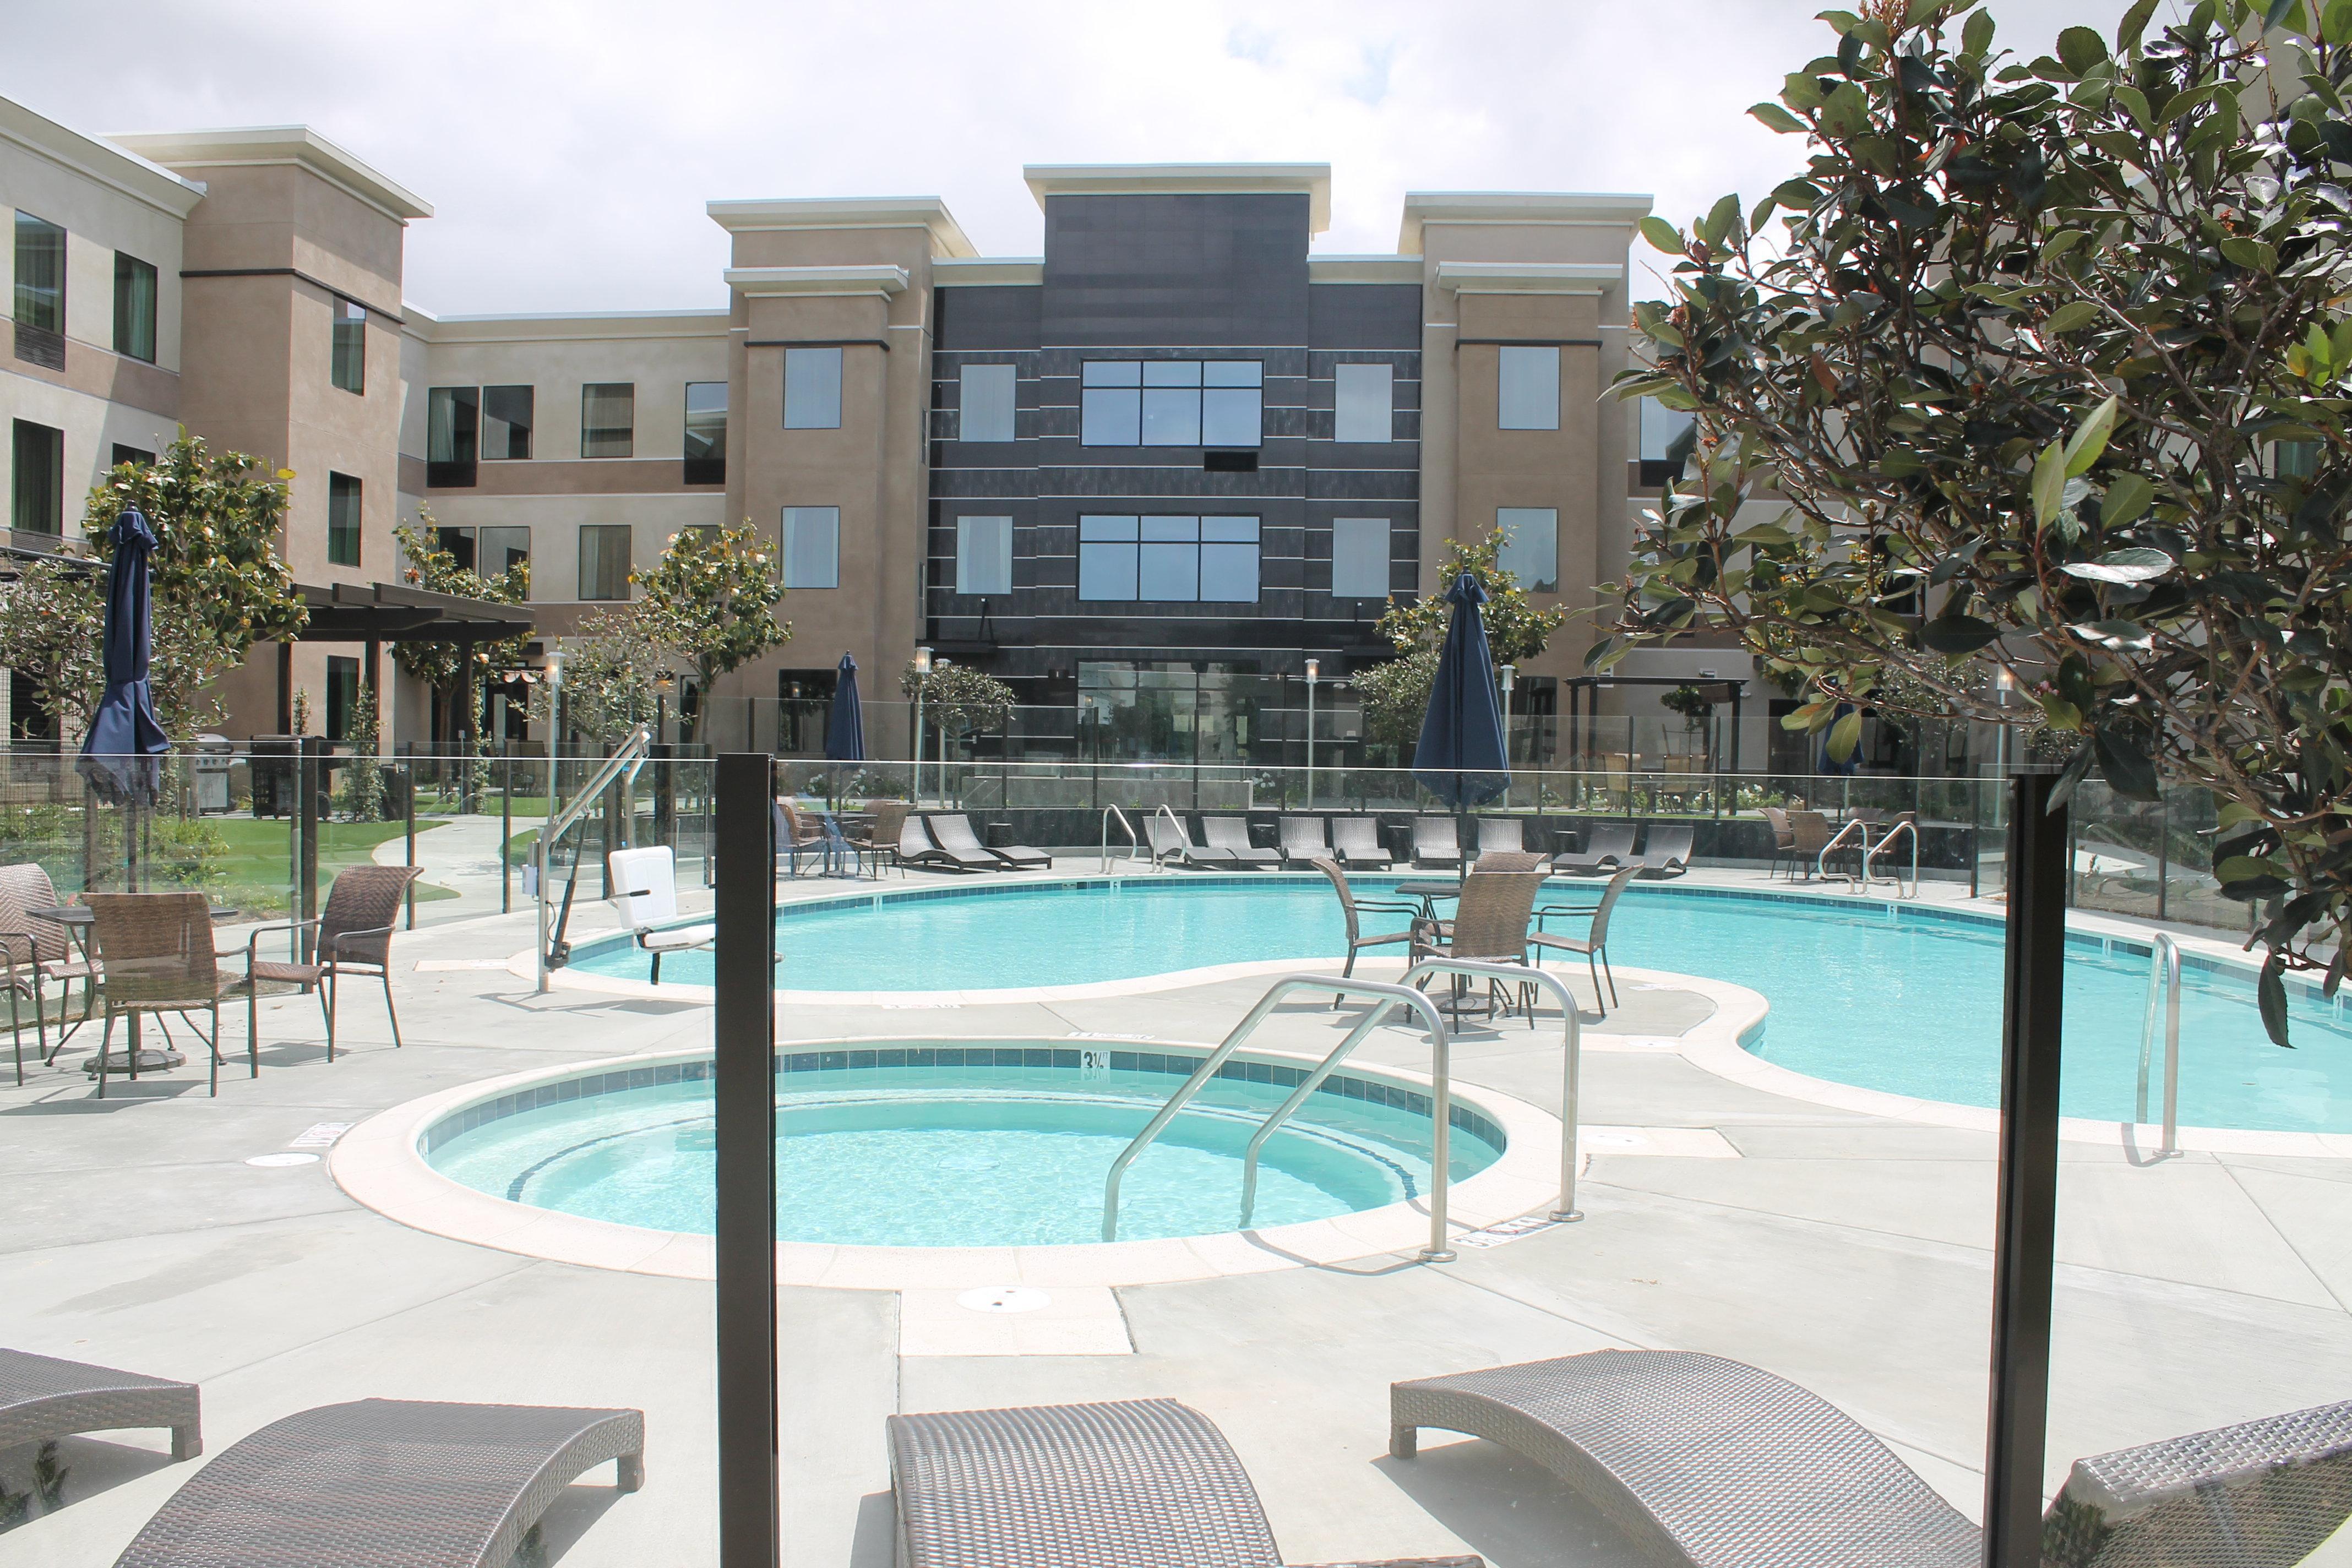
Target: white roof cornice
{"x": 1528, "y": 277}
{"x": 1569, "y": 209}
{"x": 114, "y": 167}
{"x": 929, "y": 213}
{"x": 792, "y": 282}
{"x": 261, "y": 146}
{"x": 1364, "y": 268}
{"x": 973, "y": 272}
{"x": 1312, "y": 181}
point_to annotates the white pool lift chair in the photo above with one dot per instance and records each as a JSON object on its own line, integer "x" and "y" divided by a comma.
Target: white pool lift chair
{"x": 645, "y": 895}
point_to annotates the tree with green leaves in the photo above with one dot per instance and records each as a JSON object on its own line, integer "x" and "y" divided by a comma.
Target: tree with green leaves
{"x": 610, "y": 666}
{"x": 52, "y": 639}
{"x": 1395, "y": 695}
{"x": 435, "y": 570}
{"x": 711, "y": 603}
{"x": 2048, "y": 366}
{"x": 362, "y": 786}
{"x": 959, "y": 700}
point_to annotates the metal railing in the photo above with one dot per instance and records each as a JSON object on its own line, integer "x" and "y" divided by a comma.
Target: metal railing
{"x": 2164, "y": 979}
{"x": 1571, "y": 1039}
{"x": 1822, "y": 861}
{"x": 1175, "y": 826}
{"x": 629, "y": 756}
{"x": 1134, "y": 844}
{"x": 1910, "y": 827}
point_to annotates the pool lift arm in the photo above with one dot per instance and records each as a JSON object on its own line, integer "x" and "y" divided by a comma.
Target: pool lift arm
{"x": 554, "y": 952}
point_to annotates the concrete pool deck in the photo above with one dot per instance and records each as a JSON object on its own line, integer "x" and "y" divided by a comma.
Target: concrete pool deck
{"x": 1843, "y": 1248}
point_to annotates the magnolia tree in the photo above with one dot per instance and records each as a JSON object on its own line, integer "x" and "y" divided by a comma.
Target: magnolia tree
{"x": 1395, "y": 695}
{"x": 960, "y": 701}
{"x": 2044, "y": 366}
{"x": 437, "y": 664}
{"x": 710, "y": 603}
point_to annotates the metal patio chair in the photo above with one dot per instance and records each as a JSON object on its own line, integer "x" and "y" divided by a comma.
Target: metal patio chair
{"x": 156, "y": 950}
{"x": 353, "y": 935}
{"x": 1594, "y": 943}
{"x": 1784, "y": 837}
{"x": 1352, "y": 908}
{"x": 36, "y": 950}
{"x": 1489, "y": 923}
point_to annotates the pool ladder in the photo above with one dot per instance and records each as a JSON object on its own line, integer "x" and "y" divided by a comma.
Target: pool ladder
{"x": 1134, "y": 841}
{"x": 1411, "y": 998}
{"x": 2163, "y": 983}
{"x": 1906, "y": 824}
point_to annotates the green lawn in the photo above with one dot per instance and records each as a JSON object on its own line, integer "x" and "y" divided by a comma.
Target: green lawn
{"x": 253, "y": 872}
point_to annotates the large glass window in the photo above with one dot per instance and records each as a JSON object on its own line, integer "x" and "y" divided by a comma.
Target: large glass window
{"x": 1668, "y": 437}
{"x": 1527, "y": 395}
{"x": 1359, "y": 558}
{"x": 706, "y": 433}
{"x": 812, "y": 547}
{"x": 1363, "y": 402}
{"x": 347, "y": 365}
{"x": 1175, "y": 559}
{"x": 506, "y": 421}
{"x": 604, "y": 560}
{"x": 488, "y": 551}
{"x": 812, "y": 389}
{"x": 608, "y": 419}
{"x": 342, "y": 695}
{"x": 1171, "y": 402}
{"x": 138, "y": 456}
{"x": 36, "y": 496}
{"x": 1531, "y": 546}
{"x": 134, "y": 307}
{"x": 985, "y": 403}
{"x": 40, "y": 305}
{"x": 983, "y": 555}
{"x": 342, "y": 519}
{"x": 453, "y": 422}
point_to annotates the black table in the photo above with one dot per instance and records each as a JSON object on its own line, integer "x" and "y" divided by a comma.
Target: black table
{"x": 1429, "y": 892}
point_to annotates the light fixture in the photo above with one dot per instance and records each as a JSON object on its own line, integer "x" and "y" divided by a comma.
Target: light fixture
{"x": 922, "y": 661}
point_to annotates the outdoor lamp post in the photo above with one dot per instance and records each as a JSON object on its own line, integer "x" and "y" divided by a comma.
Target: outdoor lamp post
{"x": 1510, "y": 673}
{"x": 664, "y": 684}
{"x": 1314, "y": 673}
{"x": 539, "y": 853}
{"x": 922, "y": 674}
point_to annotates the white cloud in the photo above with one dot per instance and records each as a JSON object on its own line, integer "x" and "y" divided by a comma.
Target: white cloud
{"x": 568, "y": 148}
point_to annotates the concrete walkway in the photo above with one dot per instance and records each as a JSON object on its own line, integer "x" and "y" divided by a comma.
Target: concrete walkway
{"x": 1848, "y": 1251}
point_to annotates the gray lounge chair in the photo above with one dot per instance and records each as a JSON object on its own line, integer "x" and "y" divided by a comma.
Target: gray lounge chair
{"x": 1435, "y": 842}
{"x": 917, "y": 848}
{"x": 1501, "y": 835}
{"x": 953, "y": 832}
{"x": 1707, "y": 1461}
{"x": 1610, "y": 846}
{"x": 1358, "y": 841}
{"x": 1231, "y": 835}
{"x": 1594, "y": 943}
{"x": 385, "y": 1481}
{"x": 42, "y": 1397}
{"x": 1169, "y": 841}
{"x": 1666, "y": 852}
{"x": 1137, "y": 1483}
{"x": 1304, "y": 841}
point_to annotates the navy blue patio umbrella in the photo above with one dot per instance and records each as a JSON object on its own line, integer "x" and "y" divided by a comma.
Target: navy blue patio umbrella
{"x": 844, "y": 726}
{"x": 121, "y": 755}
{"x": 1460, "y": 757}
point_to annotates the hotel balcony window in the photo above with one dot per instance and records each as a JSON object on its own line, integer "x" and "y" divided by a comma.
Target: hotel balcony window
{"x": 488, "y": 551}
{"x": 1359, "y": 558}
{"x": 608, "y": 419}
{"x": 343, "y": 520}
{"x": 1526, "y": 393}
{"x": 1668, "y": 436}
{"x": 453, "y": 422}
{"x": 706, "y": 433}
{"x": 1181, "y": 560}
{"x": 605, "y": 561}
{"x": 1531, "y": 546}
{"x": 1363, "y": 402}
{"x": 40, "y": 292}
{"x": 985, "y": 403}
{"x": 812, "y": 389}
{"x": 1171, "y": 402}
{"x": 137, "y": 457}
{"x": 506, "y": 423}
{"x": 812, "y": 547}
{"x": 983, "y": 555}
{"x": 37, "y": 484}
{"x": 134, "y": 307}
{"x": 347, "y": 364}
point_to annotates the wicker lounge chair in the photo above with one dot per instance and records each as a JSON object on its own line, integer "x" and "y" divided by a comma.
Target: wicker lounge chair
{"x": 1435, "y": 842}
{"x": 952, "y": 831}
{"x": 1358, "y": 841}
{"x": 1490, "y": 923}
{"x": 354, "y": 937}
{"x": 1501, "y": 835}
{"x": 1168, "y": 842}
{"x": 917, "y": 848}
{"x": 24, "y": 888}
{"x": 1594, "y": 943}
{"x": 1666, "y": 852}
{"x": 1140, "y": 1483}
{"x": 388, "y": 1481}
{"x": 1352, "y": 908}
{"x": 156, "y": 950}
{"x": 1304, "y": 841}
{"x": 1710, "y": 1462}
{"x": 42, "y": 1397}
{"x": 645, "y": 895}
{"x": 1231, "y": 835}
{"x": 1610, "y": 846}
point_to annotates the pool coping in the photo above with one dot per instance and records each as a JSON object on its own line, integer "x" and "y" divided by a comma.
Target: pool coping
{"x": 378, "y": 1165}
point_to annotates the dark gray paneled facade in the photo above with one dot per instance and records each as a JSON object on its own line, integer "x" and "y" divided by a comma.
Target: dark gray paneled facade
{"x": 1171, "y": 277}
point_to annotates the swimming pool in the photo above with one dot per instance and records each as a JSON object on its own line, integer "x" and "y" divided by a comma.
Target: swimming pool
{"x": 938, "y": 1143}
{"x": 1903, "y": 998}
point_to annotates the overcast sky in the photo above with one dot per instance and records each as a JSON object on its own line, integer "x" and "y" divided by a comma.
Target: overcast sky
{"x": 568, "y": 148}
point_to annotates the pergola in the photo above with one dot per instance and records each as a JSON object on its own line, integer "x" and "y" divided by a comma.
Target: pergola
{"x": 379, "y": 613}
{"x": 1736, "y": 691}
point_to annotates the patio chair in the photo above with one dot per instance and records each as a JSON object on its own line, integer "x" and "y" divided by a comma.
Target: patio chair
{"x": 1809, "y": 836}
{"x": 1610, "y": 846}
{"x": 1435, "y": 842}
{"x": 1594, "y": 943}
{"x": 43, "y": 1398}
{"x": 388, "y": 1481}
{"x": 882, "y": 834}
{"x": 353, "y": 935}
{"x": 1357, "y": 839}
{"x": 1134, "y": 1481}
{"x": 1169, "y": 839}
{"x": 1784, "y": 837}
{"x": 917, "y": 848}
{"x": 953, "y": 831}
{"x": 797, "y": 837}
{"x": 1489, "y": 923}
{"x": 1351, "y": 908}
{"x": 1700, "y": 1460}
{"x": 1232, "y": 834}
{"x": 644, "y": 897}
{"x": 1303, "y": 839}
{"x": 1500, "y": 836}
{"x": 1666, "y": 852}
{"x": 156, "y": 950}
{"x": 36, "y": 950}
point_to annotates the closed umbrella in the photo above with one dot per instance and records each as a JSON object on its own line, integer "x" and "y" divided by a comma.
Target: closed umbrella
{"x": 844, "y": 726}
{"x": 121, "y": 755}
{"x": 1460, "y": 757}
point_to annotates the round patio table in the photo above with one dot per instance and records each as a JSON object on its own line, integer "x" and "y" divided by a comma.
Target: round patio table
{"x": 1429, "y": 892}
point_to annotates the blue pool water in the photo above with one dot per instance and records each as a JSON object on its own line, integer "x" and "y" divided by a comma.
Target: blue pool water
{"x": 1901, "y": 999}
{"x": 920, "y": 1154}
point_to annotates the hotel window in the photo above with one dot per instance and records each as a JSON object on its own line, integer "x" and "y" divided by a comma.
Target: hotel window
{"x": 706, "y": 433}
{"x": 40, "y": 292}
{"x": 1363, "y": 402}
{"x": 506, "y": 423}
{"x": 812, "y": 389}
{"x": 347, "y": 363}
{"x": 343, "y": 520}
{"x": 985, "y": 403}
{"x": 1531, "y": 546}
{"x": 38, "y": 487}
{"x": 1668, "y": 437}
{"x": 604, "y": 560}
{"x": 983, "y": 555}
{"x": 453, "y": 422}
{"x": 134, "y": 307}
{"x": 812, "y": 547}
{"x": 608, "y": 418}
{"x": 488, "y": 551}
{"x": 138, "y": 457}
{"x": 342, "y": 695}
{"x": 1171, "y": 402}
{"x": 1180, "y": 560}
{"x": 1359, "y": 558}
{"x": 1526, "y": 395}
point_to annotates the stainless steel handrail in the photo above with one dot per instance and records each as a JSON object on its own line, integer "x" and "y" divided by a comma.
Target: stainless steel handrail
{"x": 2163, "y": 977}
{"x": 1873, "y": 851}
{"x": 1183, "y": 839}
{"x": 1440, "y": 1093}
{"x": 1822, "y": 861}
{"x": 1134, "y": 844}
{"x": 630, "y": 751}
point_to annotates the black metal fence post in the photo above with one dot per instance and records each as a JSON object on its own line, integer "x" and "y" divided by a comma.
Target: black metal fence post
{"x": 2025, "y": 1232}
{"x": 743, "y": 1026}
{"x": 306, "y": 781}
{"x": 408, "y": 813}
{"x": 506, "y": 825}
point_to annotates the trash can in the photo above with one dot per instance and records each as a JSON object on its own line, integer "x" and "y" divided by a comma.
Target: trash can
{"x": 272, "y": 771}
{"x": 209, "y": 766}
{"x": 999, "y": 835}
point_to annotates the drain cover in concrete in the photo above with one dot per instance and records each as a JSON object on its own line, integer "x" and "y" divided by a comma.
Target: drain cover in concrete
{"x": 1003, "y": 1298}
